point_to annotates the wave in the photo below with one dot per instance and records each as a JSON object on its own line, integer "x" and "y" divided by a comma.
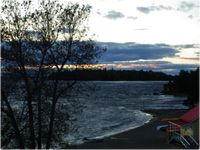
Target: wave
{"x": 101, "y": 131}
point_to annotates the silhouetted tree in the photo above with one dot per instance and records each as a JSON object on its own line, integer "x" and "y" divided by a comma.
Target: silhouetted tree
{"x": 110, "y": 75}
{"x": 186, "y": 82}
{"x": 37, "y": 42}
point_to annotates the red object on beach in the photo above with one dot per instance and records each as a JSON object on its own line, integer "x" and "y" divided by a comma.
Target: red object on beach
{"x": 174, "y": 132}
{"x": 191, "y": 115}
{"x": 188, "y": 117}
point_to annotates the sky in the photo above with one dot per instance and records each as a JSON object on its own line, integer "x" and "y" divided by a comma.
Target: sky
{"x": 158, "y": 35}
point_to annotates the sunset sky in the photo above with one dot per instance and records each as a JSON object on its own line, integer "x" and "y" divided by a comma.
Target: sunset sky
{"x": 158, "y": 35}
{"x": 162, "y": 35}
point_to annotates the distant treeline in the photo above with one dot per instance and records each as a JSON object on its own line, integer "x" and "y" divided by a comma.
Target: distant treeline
{"x": 111, "y": 75}
{"x": 186, "y": 82}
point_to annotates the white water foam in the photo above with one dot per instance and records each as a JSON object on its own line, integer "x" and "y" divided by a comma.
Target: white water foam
{"x": 100, "y": 127}
{"x": 115, "y": 107}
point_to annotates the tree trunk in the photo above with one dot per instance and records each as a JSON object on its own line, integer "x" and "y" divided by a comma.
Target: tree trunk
{"x": 31, "y": 123}
{"x": 13, "y": 121}
{"x": 39, "y": 121}
{"x": 51, "y": 125}
{"x": 29, "y": 101}
{"x": 30, "y": 108}
{"x": 53, "y": 108}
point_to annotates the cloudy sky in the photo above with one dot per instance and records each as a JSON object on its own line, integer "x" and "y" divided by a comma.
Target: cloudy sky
{"x": 146, "y": 21}
{"x": 161, "y": 35}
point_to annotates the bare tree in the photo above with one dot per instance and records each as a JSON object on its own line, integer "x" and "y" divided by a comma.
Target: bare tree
{"x": 36, "y": 43}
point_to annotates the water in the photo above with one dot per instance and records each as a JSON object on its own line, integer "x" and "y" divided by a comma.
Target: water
{"x": 115, "y": 106}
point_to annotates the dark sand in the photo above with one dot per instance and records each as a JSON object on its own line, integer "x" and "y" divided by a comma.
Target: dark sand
{"x": 144, "y": 137}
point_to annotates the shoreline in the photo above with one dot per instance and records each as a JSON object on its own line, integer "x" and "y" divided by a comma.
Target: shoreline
{"x": 145, "y": 136}
{"x": 121, "y": 131}
{"x": 112, "y": 133}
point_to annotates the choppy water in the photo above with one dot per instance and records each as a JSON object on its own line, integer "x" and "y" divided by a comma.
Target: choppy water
{"x": 115, "y": 106}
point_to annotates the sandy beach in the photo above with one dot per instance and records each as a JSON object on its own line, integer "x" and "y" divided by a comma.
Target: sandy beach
{"x": 143, "y": 137}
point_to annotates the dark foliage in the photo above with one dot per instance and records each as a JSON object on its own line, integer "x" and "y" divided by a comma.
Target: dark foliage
{"x": 37, "y": 40}
{"x": 185, "y": 83}
{"x": 111, "y": 75}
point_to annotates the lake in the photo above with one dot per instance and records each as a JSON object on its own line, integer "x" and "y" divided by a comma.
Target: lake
{"x": 112, "y": 107}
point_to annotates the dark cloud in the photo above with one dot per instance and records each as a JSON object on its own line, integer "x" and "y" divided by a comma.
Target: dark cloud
{"x": 175, "y": 68}
{"x": 191, "y": 16}
{"x": 99, "y": 12}
{"x": 188, "y": 46}
{"x": 144, "y": 56}
{"x": 186, "y": 6}
{"x": 198, "y": 55}
{"x": 133, "y": 51}
{"x": 191, "y": 58}
{"x": 147, "y": 10}
{"x": 152, "y": 61}
{"x": 163, "y": 66}
{"x": 114, "y": 15}
{"x": 178, "y": 66}
{"x": 162, "y": 45}
{"x": 160, "y": 66}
